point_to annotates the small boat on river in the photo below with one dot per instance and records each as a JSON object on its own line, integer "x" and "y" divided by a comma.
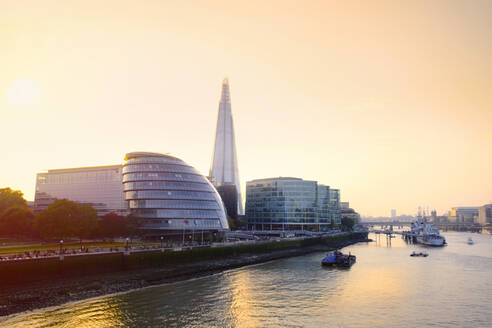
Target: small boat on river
{"x": 338, "y": 259}
{"x": 419, "y": 254}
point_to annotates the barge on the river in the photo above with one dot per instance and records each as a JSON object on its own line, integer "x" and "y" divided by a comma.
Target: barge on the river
{"x": 338, "y": 259}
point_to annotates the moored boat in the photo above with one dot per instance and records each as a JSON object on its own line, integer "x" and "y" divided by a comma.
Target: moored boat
{"x": 338, "y": 259}
{"x": 426, "y": 234}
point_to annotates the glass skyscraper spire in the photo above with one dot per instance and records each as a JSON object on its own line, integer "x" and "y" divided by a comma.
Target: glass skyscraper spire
{"x": 224, "y": 170}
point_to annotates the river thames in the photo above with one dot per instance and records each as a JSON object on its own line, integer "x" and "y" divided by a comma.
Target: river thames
{"x": 452, "y": 287}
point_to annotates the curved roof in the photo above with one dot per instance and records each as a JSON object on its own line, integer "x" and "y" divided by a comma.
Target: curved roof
{"x": 137, "y": 154}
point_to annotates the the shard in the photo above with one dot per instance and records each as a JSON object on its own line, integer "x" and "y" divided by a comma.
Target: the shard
{"x": 224, "y": 171}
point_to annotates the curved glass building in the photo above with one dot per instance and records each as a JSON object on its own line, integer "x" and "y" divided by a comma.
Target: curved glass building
{"x": 170, "y": 195}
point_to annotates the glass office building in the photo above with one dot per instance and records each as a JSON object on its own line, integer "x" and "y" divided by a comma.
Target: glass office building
{"x": 98, "y": 186}
{"x": 170, "y": 195}
{"x": 290, "y": 204}
{"x": 334, "y": 207}
{"x": 324, "y": 205}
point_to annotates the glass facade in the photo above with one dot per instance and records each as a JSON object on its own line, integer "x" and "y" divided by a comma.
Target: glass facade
{"x": 170, "y": 195}
{"x": 335, "y": 205}
{"x": 290, "y": 204}
{"x": 98, "y": 186}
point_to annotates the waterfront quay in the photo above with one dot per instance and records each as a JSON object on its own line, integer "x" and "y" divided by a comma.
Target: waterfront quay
{"x": 238, "y": 237}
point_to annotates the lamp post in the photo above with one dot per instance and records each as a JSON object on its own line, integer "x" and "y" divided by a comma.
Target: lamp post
{"x": 127, "y": 252}
{"x": 161, "y": 240}
{"x": 61, "y": 249}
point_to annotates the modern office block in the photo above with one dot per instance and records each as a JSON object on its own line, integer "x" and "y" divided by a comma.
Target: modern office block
{"x": 335, "y": 205}
{"x": 290, "y": 204}
{"x": 323, "y": 205}
{"x": 98, "y": 186}
{"x": 224, "y": 169}
{"x": 170, "y": 195}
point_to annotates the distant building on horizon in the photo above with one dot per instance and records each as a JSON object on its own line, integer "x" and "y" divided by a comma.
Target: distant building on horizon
{"x": 286, "y": 203}
{"x": 463, "y": 214}
{"x": 485, "y": 214}
{"x": 393, "y": 213}
{"x": 224, "y": 168}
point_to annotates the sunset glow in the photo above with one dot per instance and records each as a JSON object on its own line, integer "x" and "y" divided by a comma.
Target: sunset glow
{"x": 23, "y": 92}
{"x": 389, "y": 101}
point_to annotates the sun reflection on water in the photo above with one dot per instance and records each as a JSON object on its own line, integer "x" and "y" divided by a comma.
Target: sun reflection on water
{"x": 242, "y": 309}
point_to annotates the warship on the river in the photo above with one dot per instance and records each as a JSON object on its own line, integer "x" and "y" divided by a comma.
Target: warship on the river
{"x": 425, "y": 233}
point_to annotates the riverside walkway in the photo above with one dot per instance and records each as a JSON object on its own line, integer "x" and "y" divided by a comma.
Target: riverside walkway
{"x": 240, "y": 238}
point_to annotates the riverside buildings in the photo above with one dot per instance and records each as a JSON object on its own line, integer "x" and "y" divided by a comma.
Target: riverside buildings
{"x": 98, "y": 186}
{"x": 347, "y": 212}
{"x": 170, "y": 196}
{"x": 485, "y": 214}
{"x": 291, "y": 204}
{"x": 463, "y": 214}
{"x": 224, "y": 170}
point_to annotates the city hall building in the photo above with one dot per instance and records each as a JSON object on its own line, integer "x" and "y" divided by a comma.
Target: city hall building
{"x": 171, "y": 195}
{"x": 291, "y": 204}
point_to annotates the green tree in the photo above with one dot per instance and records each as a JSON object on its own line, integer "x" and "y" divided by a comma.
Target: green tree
{"x": 16, "y": 221}
{"x": 112, "y": 225}
{"x": 11, "y": 198}
{"x": 64, "y": 218}
{"x": 84, "y": 222}
{"x": 133, "y": 226}
{"x": 347, "y": 223}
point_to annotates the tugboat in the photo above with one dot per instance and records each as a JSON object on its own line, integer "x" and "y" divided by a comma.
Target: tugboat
{"x": 338, "y": 259}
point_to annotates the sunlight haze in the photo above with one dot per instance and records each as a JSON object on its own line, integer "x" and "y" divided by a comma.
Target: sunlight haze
{"x": 389, "y": 101}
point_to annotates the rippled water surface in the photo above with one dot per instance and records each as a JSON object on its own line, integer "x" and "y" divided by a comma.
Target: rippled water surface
{"x": 385, "y": 288}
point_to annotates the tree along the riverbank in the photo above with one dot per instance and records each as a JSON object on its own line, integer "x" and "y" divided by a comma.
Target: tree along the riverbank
{"x": 113, "y": 225}
{"x": 16, "y": 218}
{"x": 347, "y": 224}
{"x": 11, "y": 198}
{"x": 17, "y": 222}
{"x": 62, "y": 219}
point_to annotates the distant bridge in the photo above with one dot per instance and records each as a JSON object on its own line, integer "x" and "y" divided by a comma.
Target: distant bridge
{"x": 386, "y": 224}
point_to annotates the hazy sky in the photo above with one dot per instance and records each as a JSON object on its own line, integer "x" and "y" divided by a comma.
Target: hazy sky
{"x": 390, "y": 101}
